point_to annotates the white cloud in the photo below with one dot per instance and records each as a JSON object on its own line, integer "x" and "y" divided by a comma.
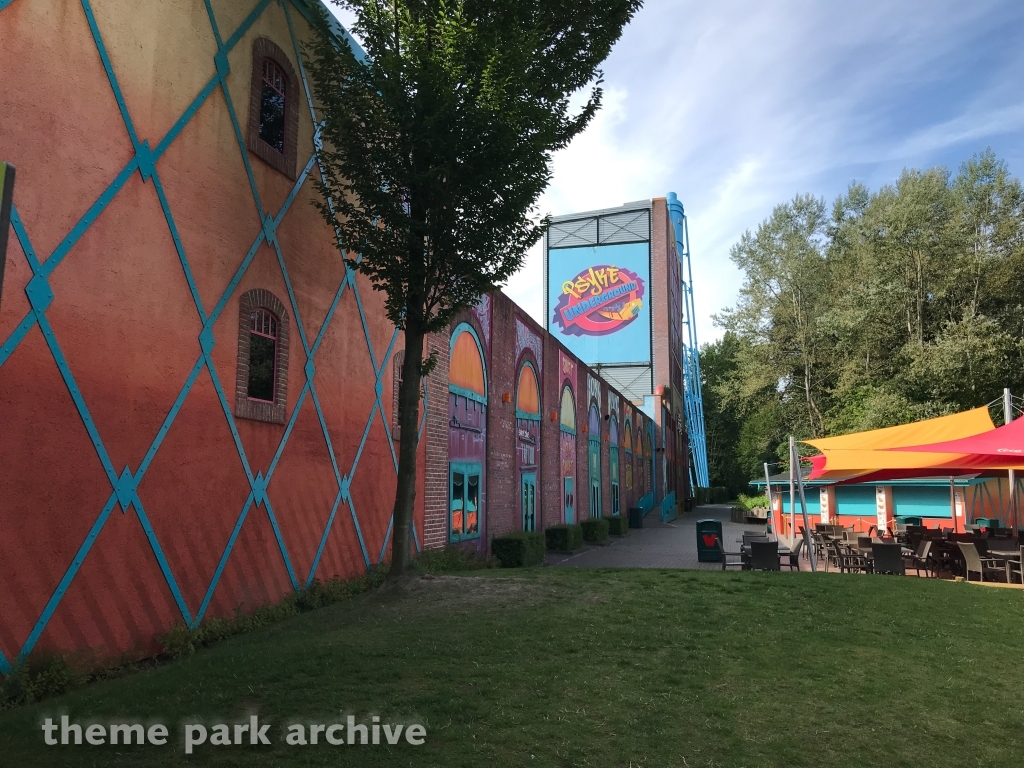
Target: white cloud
{"x": 738, "y": 105}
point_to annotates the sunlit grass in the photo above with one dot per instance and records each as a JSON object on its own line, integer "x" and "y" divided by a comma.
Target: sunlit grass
{"x": 552, "y": 667}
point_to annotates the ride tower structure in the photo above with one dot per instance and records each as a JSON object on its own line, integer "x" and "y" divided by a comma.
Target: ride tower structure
{"x": 693, "y": 398}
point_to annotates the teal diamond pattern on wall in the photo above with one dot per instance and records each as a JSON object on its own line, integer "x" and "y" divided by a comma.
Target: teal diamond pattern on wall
{"x": 124, "y": 484}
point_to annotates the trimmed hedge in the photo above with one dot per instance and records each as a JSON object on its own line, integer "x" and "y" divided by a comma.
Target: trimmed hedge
{"x": 715, "y": 495}
{"x": 563, "y": 538}
{"x": 618, "y": 525}
{"x": 521, "y": 549}
{"x": 595, "y": 530}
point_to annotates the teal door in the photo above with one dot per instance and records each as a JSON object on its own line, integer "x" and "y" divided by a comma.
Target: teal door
{"x": 613, "y": 470}
{"x": 594, "y": 449}
{"x": 529, "y": 501}
{"x": 463, "y": 501}
{"x": 569, "y": 500}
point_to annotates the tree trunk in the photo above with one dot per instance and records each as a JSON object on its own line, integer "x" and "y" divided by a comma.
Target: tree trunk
{"x": 409, "y": 439}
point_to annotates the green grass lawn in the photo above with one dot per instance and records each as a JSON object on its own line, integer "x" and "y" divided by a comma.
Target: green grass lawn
{"x": 598, "y": 668}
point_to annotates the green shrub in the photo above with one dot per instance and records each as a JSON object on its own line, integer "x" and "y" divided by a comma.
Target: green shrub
{"x": 563, "y": 538}
{"x": 747, "y": 503}
{"x": 715, "y": 495}
{"x": 182, "y": 641}
{"x": 46, "y": 676}
{"x": 451, "y": 560}
{"x": 41, "y": 678}
{"x": 618, "y": 525}
{"x": 521, "y": 549}
{"x": 595, "y": 529}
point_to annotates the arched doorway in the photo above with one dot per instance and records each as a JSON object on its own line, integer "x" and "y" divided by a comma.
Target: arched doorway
{"x": 567, "y": 446}
{"x": 628, "y": 497}
{"x": 467, "y": 435}
{"x": 528, "y": 443}
{"x": 594, "y": 455}
{"x": 613, "y": 463}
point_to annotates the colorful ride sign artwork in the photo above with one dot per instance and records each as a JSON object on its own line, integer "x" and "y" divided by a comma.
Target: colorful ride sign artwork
{"x": 600, "y": 300}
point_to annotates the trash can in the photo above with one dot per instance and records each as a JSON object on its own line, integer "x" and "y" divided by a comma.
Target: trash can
{"x": 709, "y": 533}
{"x": 636, "y": 517}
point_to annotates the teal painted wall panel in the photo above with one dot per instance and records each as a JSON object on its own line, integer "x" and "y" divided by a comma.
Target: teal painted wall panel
{"x": 856, "y": 500}
{"x": 922, "y": 501}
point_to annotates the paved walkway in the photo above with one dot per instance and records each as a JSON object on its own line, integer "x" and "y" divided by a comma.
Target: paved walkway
{"x": 658, "y": 544}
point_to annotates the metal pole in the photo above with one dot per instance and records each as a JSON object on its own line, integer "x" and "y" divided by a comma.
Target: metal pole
{"x": 952, "y": 504}
{"x": 1007, "y": 418}
{"x": 793, "y": 458}
{"x": 768, "y": 492}
{"x": 792, "y": 490}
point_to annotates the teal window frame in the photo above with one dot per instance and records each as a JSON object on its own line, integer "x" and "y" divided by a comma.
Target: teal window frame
{"x": 613, "y": 471}
{"x": 468, "y": 394}
{"x": 540, "y": 402}
{"x": 561, "y": 396}
{"x": 467, "y": 469}
{"x": 594, "y": 453}
{"x": 528, "y": 500}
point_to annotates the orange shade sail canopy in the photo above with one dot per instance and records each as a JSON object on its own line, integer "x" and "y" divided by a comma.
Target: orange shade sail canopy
{"x": 846, "y": 456}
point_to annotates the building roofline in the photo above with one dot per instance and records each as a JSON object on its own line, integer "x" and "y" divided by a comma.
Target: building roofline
{"x": 634, "y": 206}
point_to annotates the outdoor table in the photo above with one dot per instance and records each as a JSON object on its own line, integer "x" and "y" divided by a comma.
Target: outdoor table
{"x": 1006, "y": 556}
{"x": 783, "y": 551}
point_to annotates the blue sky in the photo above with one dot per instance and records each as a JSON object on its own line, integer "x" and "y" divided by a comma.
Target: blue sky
{"x": 737, "y": 106}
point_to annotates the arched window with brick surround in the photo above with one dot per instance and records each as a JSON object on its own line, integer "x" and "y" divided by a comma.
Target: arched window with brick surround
{"x": 261, "y": 387}
{"x": 273, "y": 107}
{"x": 396, "y": 432}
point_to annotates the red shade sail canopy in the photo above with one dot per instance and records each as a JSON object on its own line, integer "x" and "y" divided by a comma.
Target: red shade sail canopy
{"x": 997, "y": 447}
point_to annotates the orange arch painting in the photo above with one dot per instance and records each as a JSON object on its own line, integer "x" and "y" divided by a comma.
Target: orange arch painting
{"x": 568, "y": 411}
{"x": 528, "y": 399}
{"x": 467, "y": 369}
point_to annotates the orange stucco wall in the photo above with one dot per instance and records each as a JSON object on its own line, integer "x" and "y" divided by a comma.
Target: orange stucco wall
{"x": 124, "y": 319}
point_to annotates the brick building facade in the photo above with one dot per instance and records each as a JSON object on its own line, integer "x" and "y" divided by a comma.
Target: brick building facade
{"x": 196, "y": 394}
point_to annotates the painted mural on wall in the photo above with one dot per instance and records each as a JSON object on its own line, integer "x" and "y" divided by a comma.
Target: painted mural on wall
{"x": 599, "y": 307}
{"x": 527, "y": 338}
{"x": 467, "y": 436}
{"x": 567, "y": 435}
{"x": 528, "y": 411}
{"x": 601, "y": 300}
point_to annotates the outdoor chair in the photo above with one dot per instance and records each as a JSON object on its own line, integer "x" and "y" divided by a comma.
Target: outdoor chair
{"x": 819, "y": 547}
{"x": 1013, "y": 569}
{"x": 846, "y": 560}
{"x": 838, "y": 556}
{"x": 793, "y": 558}
{"x": 726, "y": 563}
{"x": 855, "y": 561}
{"x": 863, "y": 542}
{"x": 887, "y": 558}
{"x": 764, "y": 555}
{"x": 922, "y": 558}
{"x": 975, "y": 563}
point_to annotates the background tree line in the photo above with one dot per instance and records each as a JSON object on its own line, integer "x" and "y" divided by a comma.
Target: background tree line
{"x": 896, "y": 305}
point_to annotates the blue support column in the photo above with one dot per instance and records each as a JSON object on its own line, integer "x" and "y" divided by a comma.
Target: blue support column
{"x": 693, "y": 399}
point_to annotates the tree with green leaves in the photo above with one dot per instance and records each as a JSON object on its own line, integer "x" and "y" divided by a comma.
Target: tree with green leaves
{"x": 435, "y": 149}
{"x": 905, "y": 304}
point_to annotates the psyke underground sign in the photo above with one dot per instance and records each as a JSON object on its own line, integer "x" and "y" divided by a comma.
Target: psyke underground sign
{"x": 598, "y": 301}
